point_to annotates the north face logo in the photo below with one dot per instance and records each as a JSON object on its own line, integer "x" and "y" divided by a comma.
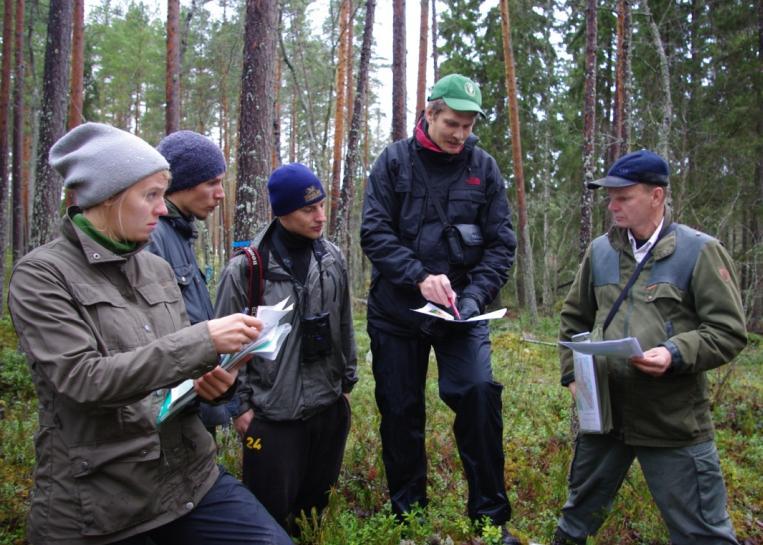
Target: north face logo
{"x": 473, "y": 180}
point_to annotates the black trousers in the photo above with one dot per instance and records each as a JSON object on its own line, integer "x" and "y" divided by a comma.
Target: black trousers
{"x": 466, "y": 385}
{"x": 291, "y": 466}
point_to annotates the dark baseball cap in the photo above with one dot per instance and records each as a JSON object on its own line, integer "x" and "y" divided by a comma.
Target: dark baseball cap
{"x": 459, "y": 93}
{"x": 639, "y": 167}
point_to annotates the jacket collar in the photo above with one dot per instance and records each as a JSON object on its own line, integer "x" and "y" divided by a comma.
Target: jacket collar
{"x": 94, "y": 253}
{"x": 618, "y": 237}
{"x": 179, "y": 222}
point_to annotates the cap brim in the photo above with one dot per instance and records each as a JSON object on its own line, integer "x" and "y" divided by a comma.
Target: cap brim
{"x": 610, "y": 181}
{"x": 462, "y": 105}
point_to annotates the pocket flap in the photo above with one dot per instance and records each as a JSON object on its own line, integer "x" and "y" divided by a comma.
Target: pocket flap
{"x": 87, "y": 459}
{"x": 473, "y": 195}
{"x": 183, "y": 273}
{"x": 89, "y": 294}
{"x": 471, "y": 234}
{"x": 165, "y": 292}
{"x": 663, "y": 291}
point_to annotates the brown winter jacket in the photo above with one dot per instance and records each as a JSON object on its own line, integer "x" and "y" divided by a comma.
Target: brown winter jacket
{"x": 104, "y": 334}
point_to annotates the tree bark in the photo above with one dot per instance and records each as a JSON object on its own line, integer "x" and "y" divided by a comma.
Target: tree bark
{"x": 421, "y": 82}
{"x": 435, "y": 65}
{"x": 5, "y": 99}
{"x": 619, "y": 142}
{"x": 77, "y": 98}
{"x": 340, "y": 110}
{"x": 172, "y": 82}
{"x": 19, "y": 219}
{"x": 351, "y": 159}
{"x": 525, "y": 248}
{"x": 663, "y": 135}
{"x": 589, "y": 127}
{"x": 255, "y": 116}
{"x": 47, "y": 191}
{"x": 399, "y": 129}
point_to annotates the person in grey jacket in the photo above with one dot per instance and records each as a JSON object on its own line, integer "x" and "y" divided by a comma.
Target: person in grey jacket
{"x": 197, "y": 166}
{"x": 105, "y": 332}
{"x": 294, "y": 418}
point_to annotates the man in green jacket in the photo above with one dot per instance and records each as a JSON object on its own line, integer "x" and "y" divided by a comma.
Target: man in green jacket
{"x": 685, "y": 309}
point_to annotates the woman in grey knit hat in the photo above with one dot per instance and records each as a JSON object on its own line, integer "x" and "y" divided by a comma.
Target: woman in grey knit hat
{"x": 105, "y": 332}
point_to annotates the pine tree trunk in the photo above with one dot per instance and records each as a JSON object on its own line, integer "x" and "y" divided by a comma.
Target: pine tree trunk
{"x": 619, "y": 142}
{"x": 19, "y": 220}
{"x": 340, "y": 110}
{"x": 663, "y": 135}
{"x": 435, "y": 65}
{"x": 421, "y": 82}
{"x": 589, "y": 128}
{"x": 47, "y": 191}
{"x": 275, "y": 160}
{"x": 172, "y": 82}
{"x": 255, "y": 117}
{"x": 77, "y": 98}
{"x": 525, "y": 248}
{"x": 399, "y": 130}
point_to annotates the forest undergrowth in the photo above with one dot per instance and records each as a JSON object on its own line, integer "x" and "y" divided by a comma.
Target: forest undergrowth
{"x": 538, "y": 442}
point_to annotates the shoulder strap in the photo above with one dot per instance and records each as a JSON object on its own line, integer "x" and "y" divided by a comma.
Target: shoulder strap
{"x": 255, "y": 277}
{"x": 634, "y": 276}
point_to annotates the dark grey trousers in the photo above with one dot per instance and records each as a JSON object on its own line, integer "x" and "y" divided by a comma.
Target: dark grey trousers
{"x": 685, "y": 482}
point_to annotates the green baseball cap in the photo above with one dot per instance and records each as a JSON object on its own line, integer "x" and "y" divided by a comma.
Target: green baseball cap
{"x": 459, "y": 93}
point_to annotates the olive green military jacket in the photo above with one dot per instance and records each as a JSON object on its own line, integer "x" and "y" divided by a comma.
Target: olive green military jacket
{"x": 104, "y": 334}
{"x": 685, "y": 299}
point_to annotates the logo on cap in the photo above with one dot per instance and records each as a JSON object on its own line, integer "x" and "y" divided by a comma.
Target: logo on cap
{"x": 312, "y": 193}
{"x": 469, "y": 88}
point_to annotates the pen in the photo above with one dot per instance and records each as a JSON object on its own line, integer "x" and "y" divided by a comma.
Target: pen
{"x": 455, "y": 309}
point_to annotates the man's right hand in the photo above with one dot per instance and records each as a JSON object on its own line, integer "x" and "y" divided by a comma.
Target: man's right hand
{"x": 232, "y": 333}
{"x": 436, "y": 288}
{"x": 241, "y": 422}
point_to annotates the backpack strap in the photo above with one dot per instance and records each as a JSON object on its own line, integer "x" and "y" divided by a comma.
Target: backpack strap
{"x": 255, "y": 277}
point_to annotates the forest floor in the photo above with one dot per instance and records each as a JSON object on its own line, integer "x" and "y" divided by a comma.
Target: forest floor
{"x": 538, "y": 441}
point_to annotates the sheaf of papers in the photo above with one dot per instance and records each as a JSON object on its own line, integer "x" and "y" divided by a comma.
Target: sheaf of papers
{"x": 432, "y": 310}
{"x": 267, "y": 346}
{"x": 620, "y": 348}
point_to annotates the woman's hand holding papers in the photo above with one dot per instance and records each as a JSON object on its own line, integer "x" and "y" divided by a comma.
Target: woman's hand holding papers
{"x": 231, "y": 333}
{"x": 214, "y": 384}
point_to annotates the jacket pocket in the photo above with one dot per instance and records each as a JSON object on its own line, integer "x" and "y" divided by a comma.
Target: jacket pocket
{"x": 667, "y": 302}
{"x": 117, "y": 483}
{"x": 710, "y": 487}
{"x": 464, "y": 205}
{"x": 183, "y": 274}
{"x": 115, "y": 325}
{"x": 411, "y": 198}
{"x": 165, "y": 306}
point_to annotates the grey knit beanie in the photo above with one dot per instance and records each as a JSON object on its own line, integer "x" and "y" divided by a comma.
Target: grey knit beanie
{"x": 193, "y": 159}
{"x": 98, "y": 161}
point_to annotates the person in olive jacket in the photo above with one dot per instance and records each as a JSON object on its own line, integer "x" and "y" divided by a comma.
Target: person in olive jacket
{"x": 685, "y": 309}
{"x": 437, "y": 227}
{"x": 105, "y": 332}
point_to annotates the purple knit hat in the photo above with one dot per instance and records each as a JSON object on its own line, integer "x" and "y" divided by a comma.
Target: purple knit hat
{"x": 193, "y": 159}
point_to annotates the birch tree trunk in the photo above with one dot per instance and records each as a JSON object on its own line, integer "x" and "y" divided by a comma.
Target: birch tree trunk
{"x": 255, "y": 126}
{"x": 5, "y": 99}
{"x": 663, "y": 135}
{"x": 47, "y": 191}
{"x": 527, "y": 275}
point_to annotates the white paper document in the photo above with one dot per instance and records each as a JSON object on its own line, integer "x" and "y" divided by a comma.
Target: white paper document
{"x": 436, "y": 312}
{"x": 621, "y": 348}
{"x": 267, "y": 346}
{"x": 587, "y": 392}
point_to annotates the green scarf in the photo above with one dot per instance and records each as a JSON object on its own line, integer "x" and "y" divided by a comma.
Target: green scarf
{"x": 116, "y": 246}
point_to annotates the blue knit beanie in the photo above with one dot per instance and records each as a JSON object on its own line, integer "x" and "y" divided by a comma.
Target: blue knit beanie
{"x": 293, "y": 186}
{"x": 193, "y": 159}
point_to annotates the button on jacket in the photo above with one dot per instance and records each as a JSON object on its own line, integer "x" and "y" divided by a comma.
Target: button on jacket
{"x": 104, "y": 334}
{"x": 685, "y": 299}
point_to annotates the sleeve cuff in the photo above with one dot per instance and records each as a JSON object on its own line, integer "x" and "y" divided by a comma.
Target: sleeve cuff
{"x": 677, "y": 364}
{"x": 568, "y": 379}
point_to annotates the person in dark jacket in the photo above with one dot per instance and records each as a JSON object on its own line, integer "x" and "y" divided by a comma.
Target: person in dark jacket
{"x": 197, "y": 166}
{"x": 436, "y": 227}
{"x": 103, "y": 326}
{"x": 685, "y": 309}
{"x": 294, "y": 414}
